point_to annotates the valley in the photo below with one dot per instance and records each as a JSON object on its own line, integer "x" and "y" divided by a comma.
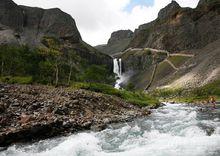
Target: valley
{"x": 152, "y": 91}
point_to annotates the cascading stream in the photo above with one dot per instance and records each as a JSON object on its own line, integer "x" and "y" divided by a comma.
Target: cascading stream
{"x": 172, "y": 130}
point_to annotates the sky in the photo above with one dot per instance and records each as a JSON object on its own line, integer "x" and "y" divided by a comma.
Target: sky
{"x": 97, "y": 19}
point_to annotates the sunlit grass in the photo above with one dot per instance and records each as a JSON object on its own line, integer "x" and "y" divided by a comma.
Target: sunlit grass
{"x": 137, "y": 98}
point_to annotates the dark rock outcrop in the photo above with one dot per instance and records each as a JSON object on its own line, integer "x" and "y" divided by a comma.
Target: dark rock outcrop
{"x": 31, "y": 24}
{"x": 178, "y": 29}
{"x": 118, "y": 42}
{"x": 141, "y": 59}
{"x": 29, "y": 113}
{"x": 11, "y": 15}
{"x": 169, "y": 10}
{"x": 120, "y": 35}
{"x": 22, "y": 25}
{"x": 51, "y": 22}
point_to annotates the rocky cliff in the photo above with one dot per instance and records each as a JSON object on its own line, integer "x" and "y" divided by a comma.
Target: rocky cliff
{"x": 118, "y": 42}
{"x": 22, "y": 25}
{"x": 178, "y": 28}
{"x": 187, "y": 38}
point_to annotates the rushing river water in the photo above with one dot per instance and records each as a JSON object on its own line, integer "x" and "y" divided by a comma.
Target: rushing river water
{"x": 172, "y": 130}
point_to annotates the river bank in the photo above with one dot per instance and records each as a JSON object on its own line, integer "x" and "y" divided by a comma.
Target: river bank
{"x": 34, "y": 112}
{"x": 200, "y": 95}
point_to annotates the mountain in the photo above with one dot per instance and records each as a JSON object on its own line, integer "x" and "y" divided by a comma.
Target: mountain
{"x": 22, "y": 25}
{"x": 180, "y": 49}
{"x": 118, "y": 42}
{"x": 178, "y": 28}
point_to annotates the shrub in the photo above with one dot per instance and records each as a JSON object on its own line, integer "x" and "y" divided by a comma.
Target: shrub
{"x": 130, "y": 87}
{"x": 17, "y": 80}
{"x": 97, "y": 73}
{"x": 137, "y": 98}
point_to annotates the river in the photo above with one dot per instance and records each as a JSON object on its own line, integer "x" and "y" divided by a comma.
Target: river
{"x": 172, "y": 130}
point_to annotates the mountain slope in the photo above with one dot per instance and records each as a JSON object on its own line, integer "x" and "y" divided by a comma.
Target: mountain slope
{"x": 178, "y": 28}
{"x": 22, "y": 25}
{"x": 182, "y": 44}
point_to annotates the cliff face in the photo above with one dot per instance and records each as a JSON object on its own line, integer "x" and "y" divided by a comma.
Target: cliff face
{"x": 22, "y": 25}
{"x": 178, "y": 29}
{"x": 52, "y": 22}
{"x": 189, "y": 38}
{"x": 118, "y": 42}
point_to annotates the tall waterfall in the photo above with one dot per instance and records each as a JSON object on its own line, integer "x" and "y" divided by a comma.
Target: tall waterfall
{"x": 118, "y": 71}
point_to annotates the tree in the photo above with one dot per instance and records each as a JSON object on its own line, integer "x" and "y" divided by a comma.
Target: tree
{"x": 52, "y": 54}
{"x": 73, "y": 61}
{"x": 52, "y": 58}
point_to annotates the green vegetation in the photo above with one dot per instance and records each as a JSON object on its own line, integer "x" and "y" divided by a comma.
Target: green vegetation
{"x": 17, "y": 80}
{"x": 96, "y": 73}
{"x": 191, "y": 95}
{"x": 163, "y": 69}
{"x": 138, "y": 98}
{"x": 178, "y": 60}
{"x": 130, "y": 87}
{"x": 50, "y": 64}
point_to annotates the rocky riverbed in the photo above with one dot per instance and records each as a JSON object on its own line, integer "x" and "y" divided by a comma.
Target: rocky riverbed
{"x": 30, "y": 112}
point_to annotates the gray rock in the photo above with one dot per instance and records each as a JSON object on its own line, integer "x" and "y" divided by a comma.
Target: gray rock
{"x": 118, "y": 42}
{"x": 11, "y": 15}
{"x": 178, "y": 29}
{"x": 169, "y": 10}
{"x": 21, "y": 124}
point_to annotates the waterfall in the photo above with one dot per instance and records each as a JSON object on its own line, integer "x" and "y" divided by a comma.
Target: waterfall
{"x": 118, "y": 71}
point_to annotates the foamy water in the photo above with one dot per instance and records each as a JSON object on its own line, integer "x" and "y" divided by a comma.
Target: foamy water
{"x": 173, "y": 130}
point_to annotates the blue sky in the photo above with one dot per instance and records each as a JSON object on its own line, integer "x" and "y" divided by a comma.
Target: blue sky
{"x": 134, "y": 3}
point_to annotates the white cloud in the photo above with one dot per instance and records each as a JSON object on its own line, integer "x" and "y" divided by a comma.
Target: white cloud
{"x": 97, "y": 19}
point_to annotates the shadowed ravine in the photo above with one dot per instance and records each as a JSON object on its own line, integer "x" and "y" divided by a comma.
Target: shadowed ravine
{"x": 172, "y": 130}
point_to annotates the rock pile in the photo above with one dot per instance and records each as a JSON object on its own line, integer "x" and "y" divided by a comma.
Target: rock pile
{"x": 29, "y": 113}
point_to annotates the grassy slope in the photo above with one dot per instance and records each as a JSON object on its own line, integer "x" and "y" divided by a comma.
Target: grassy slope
{"x": 16, "y": 79}
{"x": 137, "y": 98}
{"x": 178, "y": 60}
{"x": 197, "y": 95}
{"x": 162, "y": 71}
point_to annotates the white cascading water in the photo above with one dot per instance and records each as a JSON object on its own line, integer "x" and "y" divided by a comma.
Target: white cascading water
{"x": 172, "y": 130}
{"x": 118, "y": 71}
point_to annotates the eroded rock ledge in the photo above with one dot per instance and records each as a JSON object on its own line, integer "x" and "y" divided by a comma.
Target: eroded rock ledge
{"x": 29, "y": 113}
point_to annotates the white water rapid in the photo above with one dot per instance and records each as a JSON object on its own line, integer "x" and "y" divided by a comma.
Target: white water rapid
{"x": 172, "y": 130}
{"x": 118, "y": 71}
